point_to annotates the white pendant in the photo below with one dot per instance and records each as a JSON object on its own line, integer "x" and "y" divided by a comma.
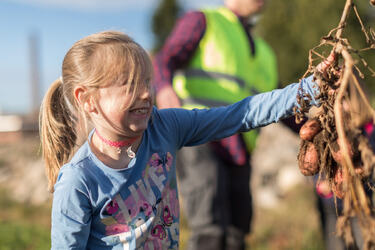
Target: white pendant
{"x": 130, "y": 152}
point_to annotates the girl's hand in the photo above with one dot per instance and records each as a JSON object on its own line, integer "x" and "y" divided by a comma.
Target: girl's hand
{"x": 323, "y": 69}
{"x": 323, "y": 66}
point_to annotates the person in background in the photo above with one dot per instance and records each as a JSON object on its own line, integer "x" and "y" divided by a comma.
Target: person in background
{"x": 211, "y": 59}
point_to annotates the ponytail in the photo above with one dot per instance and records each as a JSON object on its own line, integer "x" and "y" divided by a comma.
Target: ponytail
{"x": 56, "y": 127}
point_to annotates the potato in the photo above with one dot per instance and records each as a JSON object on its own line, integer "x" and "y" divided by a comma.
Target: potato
{"x": 337, "y": 186}
{"x": 339, "y": 176}
{"x": 310, "y": 129}
{"x": 359, "y": 170}
{"x": 337, "y": 189}
{"x": 323, "y": 188}
{"x": 337, "y": 153}
{"x": 308, "y": 161}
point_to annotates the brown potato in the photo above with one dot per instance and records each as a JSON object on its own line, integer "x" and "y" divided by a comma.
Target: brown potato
{"x": 338, "y": 191}
{"x": 337, "y": 186}
{"x": 337, "y": 153}
{"x": 339, "y": 176}
{"x": 308, "y": 161}
{"x": 310, "y": 129}
{"x": 358, "y": 169}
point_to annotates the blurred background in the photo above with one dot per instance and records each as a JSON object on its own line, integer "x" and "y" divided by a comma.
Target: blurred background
{"x": 35, "y": 35}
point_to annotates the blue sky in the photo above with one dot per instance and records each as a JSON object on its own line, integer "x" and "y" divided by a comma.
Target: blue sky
{"x": 58, "y": 24}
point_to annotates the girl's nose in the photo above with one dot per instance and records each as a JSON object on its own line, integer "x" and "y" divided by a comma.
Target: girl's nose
{"x": 145, "y": 93}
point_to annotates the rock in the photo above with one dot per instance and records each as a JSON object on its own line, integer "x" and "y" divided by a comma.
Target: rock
{"x": 274, "y": 165}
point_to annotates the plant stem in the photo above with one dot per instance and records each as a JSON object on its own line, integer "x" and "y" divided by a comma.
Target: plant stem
{"x": 344, "y": 17}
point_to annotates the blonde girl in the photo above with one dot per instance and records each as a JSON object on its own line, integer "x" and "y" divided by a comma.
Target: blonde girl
{"x": 117, "y": 189}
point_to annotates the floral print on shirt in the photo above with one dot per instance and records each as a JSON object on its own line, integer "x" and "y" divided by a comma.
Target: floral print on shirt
{"x": 149, "y": 216}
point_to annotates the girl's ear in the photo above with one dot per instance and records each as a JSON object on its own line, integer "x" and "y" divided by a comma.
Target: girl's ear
{"x": 86, "y": 103}
{"x": 88, "y": 107}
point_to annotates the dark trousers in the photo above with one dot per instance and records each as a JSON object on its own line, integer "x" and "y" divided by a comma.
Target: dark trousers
{"x": 216, "y": 199}
{"x": 328, "y": 216}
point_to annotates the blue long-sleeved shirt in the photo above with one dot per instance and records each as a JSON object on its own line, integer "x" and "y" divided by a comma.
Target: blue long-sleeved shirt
{"x": 97, "y": 207}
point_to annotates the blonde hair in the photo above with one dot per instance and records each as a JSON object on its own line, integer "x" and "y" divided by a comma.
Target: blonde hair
{"x": 98, "y": 60}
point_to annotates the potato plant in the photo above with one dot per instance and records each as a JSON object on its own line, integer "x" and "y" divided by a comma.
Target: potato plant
{"x": 333, "y": 144}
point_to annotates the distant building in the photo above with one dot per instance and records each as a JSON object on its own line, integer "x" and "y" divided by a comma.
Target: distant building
{"x": 14, "y": 127}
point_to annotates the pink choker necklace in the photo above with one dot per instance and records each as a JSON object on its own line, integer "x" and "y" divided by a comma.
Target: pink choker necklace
{"x": 119, "y": 144}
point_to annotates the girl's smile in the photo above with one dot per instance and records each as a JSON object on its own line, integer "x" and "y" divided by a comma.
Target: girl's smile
{"x": 140, "y": 112}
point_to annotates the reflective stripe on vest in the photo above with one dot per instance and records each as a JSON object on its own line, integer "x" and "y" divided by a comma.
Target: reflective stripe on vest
{"x": 222, "y": 70}
{"x": 204, "y": 80}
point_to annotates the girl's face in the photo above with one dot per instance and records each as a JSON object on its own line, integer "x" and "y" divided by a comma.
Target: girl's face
{"x": 117, "y": 117}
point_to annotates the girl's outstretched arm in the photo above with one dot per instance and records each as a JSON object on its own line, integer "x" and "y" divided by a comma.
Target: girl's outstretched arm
{"x": 194, "y": 127}
{"x": 272, "y": 106}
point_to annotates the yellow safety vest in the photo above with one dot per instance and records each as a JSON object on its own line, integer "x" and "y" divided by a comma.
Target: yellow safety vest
{"x": 222, "y": 70}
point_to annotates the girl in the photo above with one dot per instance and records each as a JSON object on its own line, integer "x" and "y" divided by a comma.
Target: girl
{"x": 119, "y": 190}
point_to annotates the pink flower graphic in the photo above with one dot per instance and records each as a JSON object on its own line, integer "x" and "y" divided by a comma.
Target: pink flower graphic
{"x": 112, "y": 207}
{"x": 155, "y": 160}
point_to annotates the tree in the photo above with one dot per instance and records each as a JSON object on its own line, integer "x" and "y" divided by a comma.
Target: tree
{"x": 163, "y": 21}
{"x": 294, "y": 27}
